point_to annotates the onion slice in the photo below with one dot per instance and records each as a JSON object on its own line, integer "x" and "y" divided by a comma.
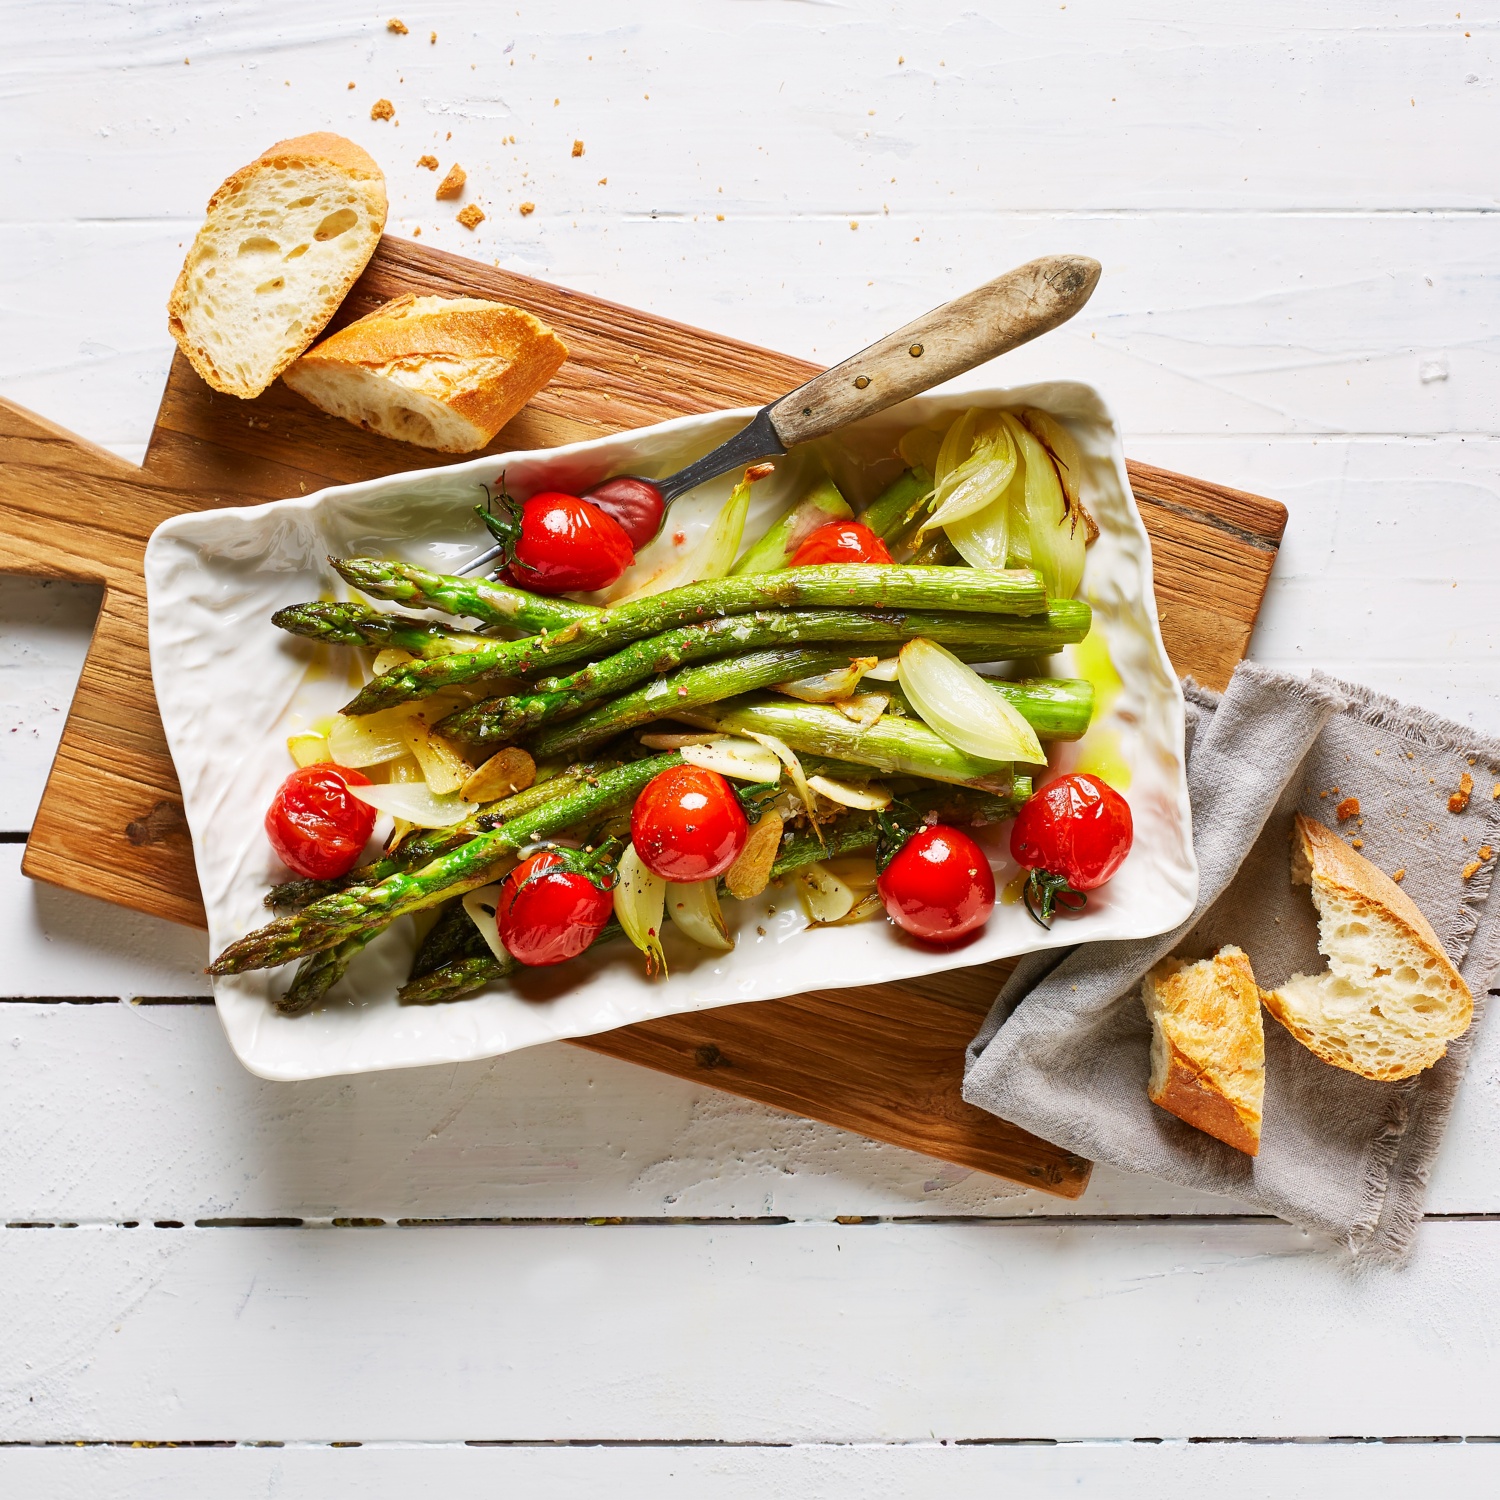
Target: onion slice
{"x": 954, "y": 701}
{"x": 309, "y": 748}
{"x": 371, "y": 739}
{"x": 885, "y": 669}
{"x": 829, "y": 687}
{"x": 975, "y": 465}
{"x": 743, "y": 760}
{"x": 788, "y": 757}
{"x": 413, "y": 802}
{"x": 865, "y": 709}
{"x": 868, "y": 798}
{"x": 694, "y": 908}
{"x": 640, "y": 898}
{"x": 481, "y": 905}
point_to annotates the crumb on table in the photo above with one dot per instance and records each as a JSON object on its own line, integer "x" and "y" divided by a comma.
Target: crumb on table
{"x": 527, "y": 208}
{"x": 430, "y": 162}
{"x": 1460, "y": 799}
{"x": 399, "y": 27}
{"x": 1356, "y": 843}
{"x": 1485, "y": 852}
{"x": 1399, "y": 875}
{"x": 1348, "y": 808}
{"x": 382, "y": 109}
{"x": 453, "y": 184}
{"x": 471, "y": 216}
{"x": 1472, "y": 867}
{"x": 577, "y": 148}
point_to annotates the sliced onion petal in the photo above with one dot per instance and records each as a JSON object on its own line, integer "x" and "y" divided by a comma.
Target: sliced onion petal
{"x": 788, "y": 757}
{"x": 983, "y": 539}
{"x": 828, "y": 687}
{"x": 969, "y": 481}
{"x": 414, "y": 803}
{"x": 920, "y": 447}
{"x": 954, "y": 701}
{"x": 824, "y": 896}
{"x": 743, "y": 760}
{"x": 640, "y": 898}
{"x": 678, "y": 741}
{"x": 1055, "y": 534}
{"x": 1061, "y": 444}
{"x": 885, "y": 669}
{"x": 694, "y": 908}
{"x": 308, "y": 748}
{"x": 869, "y": 905}
{"x": 871, "y": 797}
{"x": 389, "y": 659}
{"x": 480, "y": 906}
{"x": 371, "y": 739}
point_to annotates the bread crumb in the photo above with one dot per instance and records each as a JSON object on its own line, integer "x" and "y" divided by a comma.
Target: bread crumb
{"x": 527, "y": 208}
{"x": 430, "y": 162}
{"x": 1399, "y": 875}
{"x": 1485, "y": 852}
{"x": 433, "y": 39}
{"x": 351, "y": 85}
{"x": 719, "y": 217}
{"x": 1348, "y": 808}
{"x": 471, "y": 216}
{"x": 577, "y": 148}
{"x": 1471, "y": 868}
{"x": 382, "y": 109}
{"x": 453, "y": 184}
{"x": 1496, "y": 793}
{"x": 1460, "y": 799}
{"x": 1323, "y": 795}
{"x": 399, "y": 27}
{"x": 416, "y": 233}
{"x": 604, "y": 182}
{"x": 1356, "y": 843}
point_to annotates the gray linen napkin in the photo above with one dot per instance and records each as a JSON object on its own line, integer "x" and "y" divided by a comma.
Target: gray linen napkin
{"x": 1065, "y": 1049}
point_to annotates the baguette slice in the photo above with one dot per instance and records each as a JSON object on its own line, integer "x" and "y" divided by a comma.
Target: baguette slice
{"x": 1390, "y": 1001}
{"x": 285, "y": 239}
{"x": 442, "y": 372}
{"x": 1208, "y": 1052}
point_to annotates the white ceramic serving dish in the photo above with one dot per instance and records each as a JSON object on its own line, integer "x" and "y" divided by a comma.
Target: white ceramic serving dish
{"x": 231, "y": 688}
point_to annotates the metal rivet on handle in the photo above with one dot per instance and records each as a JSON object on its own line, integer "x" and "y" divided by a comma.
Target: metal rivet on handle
{"x": 861, "y": 381}
{"x": 915, "y": 351}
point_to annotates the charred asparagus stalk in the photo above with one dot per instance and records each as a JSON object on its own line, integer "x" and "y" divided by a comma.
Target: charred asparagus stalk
{"x": 476, "y": 598}
{"x": 319, "y": 972}
{"x": 978, "y": 591}
{"x": 354, "y": 625}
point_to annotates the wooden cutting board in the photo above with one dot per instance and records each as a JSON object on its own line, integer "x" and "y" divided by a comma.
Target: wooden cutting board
{"x": 884, "y": 1060}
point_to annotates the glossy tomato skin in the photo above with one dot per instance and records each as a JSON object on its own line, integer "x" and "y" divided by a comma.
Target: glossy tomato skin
{"x": 566, "y": 543}
{"x": 548, "y": 913}
{"x": 1078, "y": 827}
{"x": 841, "y": 542}
{"x": 939, "y": 887}
{"x": 688, "y": 824}
{"x": 635, "y": 504}
{"x": 315, "y": 825}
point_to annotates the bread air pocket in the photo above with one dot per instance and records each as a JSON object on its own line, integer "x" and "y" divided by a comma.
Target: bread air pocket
{"x": 1390, "y": 1000}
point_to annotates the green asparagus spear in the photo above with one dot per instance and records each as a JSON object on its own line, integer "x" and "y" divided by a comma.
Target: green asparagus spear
{"x": 905, "y": 747}
{"x": 456, "y": 978}
{"x": 453, "y": 937}
{"x": 319, "y": 972}
{"x": 892, "y": 508}
{"x": 1058, "y": 708}
{"x": 476, "y": 598}
{"x": 501, "y": 721}
{"x": 979, "y": 591}
{"x": 354, "y": 625}
{"x": 822, "y": 504}
{"x": 342, "y": 915}
{"x": 711, "y": 682}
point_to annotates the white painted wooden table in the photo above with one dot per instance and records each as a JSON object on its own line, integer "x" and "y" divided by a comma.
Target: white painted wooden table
{"x": 554, "y": 1273}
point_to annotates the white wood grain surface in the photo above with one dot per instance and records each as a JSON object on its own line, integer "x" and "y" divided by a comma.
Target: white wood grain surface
{"x": 1296, "y": 209}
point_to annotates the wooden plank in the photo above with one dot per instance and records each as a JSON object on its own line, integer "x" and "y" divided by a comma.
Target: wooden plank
{"x": 884, "y": 1061}
{"x": 876, "y": 1333}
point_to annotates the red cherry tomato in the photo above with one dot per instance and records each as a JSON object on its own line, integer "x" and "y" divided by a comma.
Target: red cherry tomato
{"x": 549, "y": 911}
{"x": 939, "y": 887}
{"x": 566, "y": 543}
{"x": 636, "y": 504}
{"x": 1072, "y": 835}
{"x": 688, "y": 824}
{"x": 841, "y": 542}
{"x": 315, "y": 825}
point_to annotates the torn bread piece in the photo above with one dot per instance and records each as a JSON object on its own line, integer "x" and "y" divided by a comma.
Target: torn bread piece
{"x": 441, "y": 372}
{"x": 1208, "y": 1051}
{"x": 1390, "y": 1001}
{"x": 284, "y": 240}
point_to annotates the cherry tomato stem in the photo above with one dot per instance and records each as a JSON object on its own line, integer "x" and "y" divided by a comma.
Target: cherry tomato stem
{"x": 567, "y": 543}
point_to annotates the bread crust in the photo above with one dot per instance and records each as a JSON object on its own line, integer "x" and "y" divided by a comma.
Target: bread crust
{"x": 1215, "y": 1004}
{"x": 412, "y": 330}
{"x": 1321, "y": 859}
{"x": 300, "y": 150}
